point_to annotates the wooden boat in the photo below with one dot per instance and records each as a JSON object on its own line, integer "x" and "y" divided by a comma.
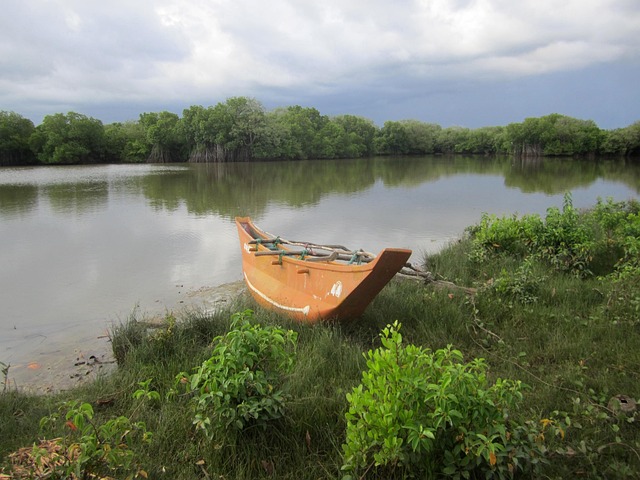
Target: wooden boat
{"x": 311, "y": 282}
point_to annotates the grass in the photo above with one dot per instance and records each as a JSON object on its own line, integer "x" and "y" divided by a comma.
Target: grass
{"x": 573, "y": 339}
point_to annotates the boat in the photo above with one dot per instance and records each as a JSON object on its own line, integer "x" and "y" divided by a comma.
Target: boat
{"x": 311, "y": 282}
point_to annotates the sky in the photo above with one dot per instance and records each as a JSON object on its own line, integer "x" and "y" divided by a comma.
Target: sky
{"x": 469, "y": 63}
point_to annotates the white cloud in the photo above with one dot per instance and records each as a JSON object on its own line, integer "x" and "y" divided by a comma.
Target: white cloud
{"x": 84, "y": 51}
{"x": 284, "y": 43}
{"x": 555, "y": 56}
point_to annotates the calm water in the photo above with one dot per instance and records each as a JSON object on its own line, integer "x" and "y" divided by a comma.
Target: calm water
{"x": 83, "y": 246}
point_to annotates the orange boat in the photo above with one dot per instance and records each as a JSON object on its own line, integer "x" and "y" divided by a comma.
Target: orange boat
{"x": 310, "y": 282}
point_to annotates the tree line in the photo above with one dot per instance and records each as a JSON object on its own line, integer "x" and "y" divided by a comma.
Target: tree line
{"x": 241, "y": 129}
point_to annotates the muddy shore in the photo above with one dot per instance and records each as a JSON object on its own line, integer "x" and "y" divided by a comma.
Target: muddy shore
{"x": 82, "y": 360}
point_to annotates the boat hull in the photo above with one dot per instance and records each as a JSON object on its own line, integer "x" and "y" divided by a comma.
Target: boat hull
{"x": 312, "y": 291}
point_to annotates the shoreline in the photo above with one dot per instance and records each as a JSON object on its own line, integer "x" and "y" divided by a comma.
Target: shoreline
{"x": 83, "y": 360}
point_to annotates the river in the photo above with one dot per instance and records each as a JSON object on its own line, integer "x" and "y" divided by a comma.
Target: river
{"x": 84, "y": 246}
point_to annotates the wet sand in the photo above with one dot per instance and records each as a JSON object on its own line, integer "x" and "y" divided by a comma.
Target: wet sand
{"x": 81, "y": 360}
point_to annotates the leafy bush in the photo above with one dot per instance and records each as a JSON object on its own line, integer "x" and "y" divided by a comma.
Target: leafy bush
{"x": 511, "y": 235}
{"x": 522, "y": 286}
{"x": 624, "y": 297}
{"x": 568, "y": 240}
{"x": 241, "y": 383}
{"x": 88, "y": 449}
{"x": 429, "y": 414}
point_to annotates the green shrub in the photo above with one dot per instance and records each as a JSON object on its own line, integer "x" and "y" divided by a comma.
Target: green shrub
{"x": 522, "y": 286}
{"x": 566, "y": 242}
{"x": 624, "y": 297}
{"x": 567, "y": 239}
{"x": 241, "y": 384}
{"x": 510, "y": 235}
{"x": 429, "y": 414}
{"x": 88, "y": 448}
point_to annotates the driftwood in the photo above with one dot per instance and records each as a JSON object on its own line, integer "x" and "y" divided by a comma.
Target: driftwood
{"x": 416, "y": 273}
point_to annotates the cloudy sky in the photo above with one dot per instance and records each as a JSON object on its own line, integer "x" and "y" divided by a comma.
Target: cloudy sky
{"x": 453, "y": 62}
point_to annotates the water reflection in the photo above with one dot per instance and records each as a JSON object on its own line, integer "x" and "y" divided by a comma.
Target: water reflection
{"x": 556, "y": 176}
{"x": 228, "y": 190}
{"x": 233, "y": 189}
{"x": 247, "y": 188}
{"x": 77, "y": 198}
{"x": 413, "y": 171}
{"x": 17, "y": 200}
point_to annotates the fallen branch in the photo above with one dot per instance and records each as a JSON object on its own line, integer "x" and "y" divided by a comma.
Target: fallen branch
{"x": 416, "y": 273}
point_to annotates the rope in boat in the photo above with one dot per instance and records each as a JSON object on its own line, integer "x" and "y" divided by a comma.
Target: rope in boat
{"x": 308, "y": 250}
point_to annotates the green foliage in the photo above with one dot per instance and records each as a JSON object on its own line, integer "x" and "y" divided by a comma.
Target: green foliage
{"x": 522, "y": 286}
{"x": 297, "y": 132}
{"x": 15, "y": 131}
{"x": 240, "y": 129}
{"x": 511, "y": 235}
{"x": 583, "y": 329}
{"x": 67, "y": 139}
{"x": 567, "y": 240}
{"x": 622, "y": 141}
{"x": 452, "y": 139}
{"x": 596, "y": 424}
{"x": 241, "y": 384}
{"x": 89, "y": 448}
{"x": 146, "y": 393}
{"x": 162, "y": 136}
{"x": 484, "y": 140}
{"x": 623, "y": 303}
{"x": 126, "y": 142}
{"x": 393, "y": 139}
{"x": 553, "y": 135}
{"x": 359, "y": 134}
{"x": 225, "y": 132}
{"x": 430, "y": 414}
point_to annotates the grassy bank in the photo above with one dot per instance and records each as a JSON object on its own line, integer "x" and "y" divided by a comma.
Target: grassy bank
{"x": 557, "y": 307}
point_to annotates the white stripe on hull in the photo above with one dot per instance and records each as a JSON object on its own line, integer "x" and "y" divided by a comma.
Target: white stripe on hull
{"x": 304, "y": 310}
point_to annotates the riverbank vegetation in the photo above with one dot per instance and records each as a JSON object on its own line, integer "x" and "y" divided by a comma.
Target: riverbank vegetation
{"x": 240, "y": 129}
{"x": 534, "y": 375}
